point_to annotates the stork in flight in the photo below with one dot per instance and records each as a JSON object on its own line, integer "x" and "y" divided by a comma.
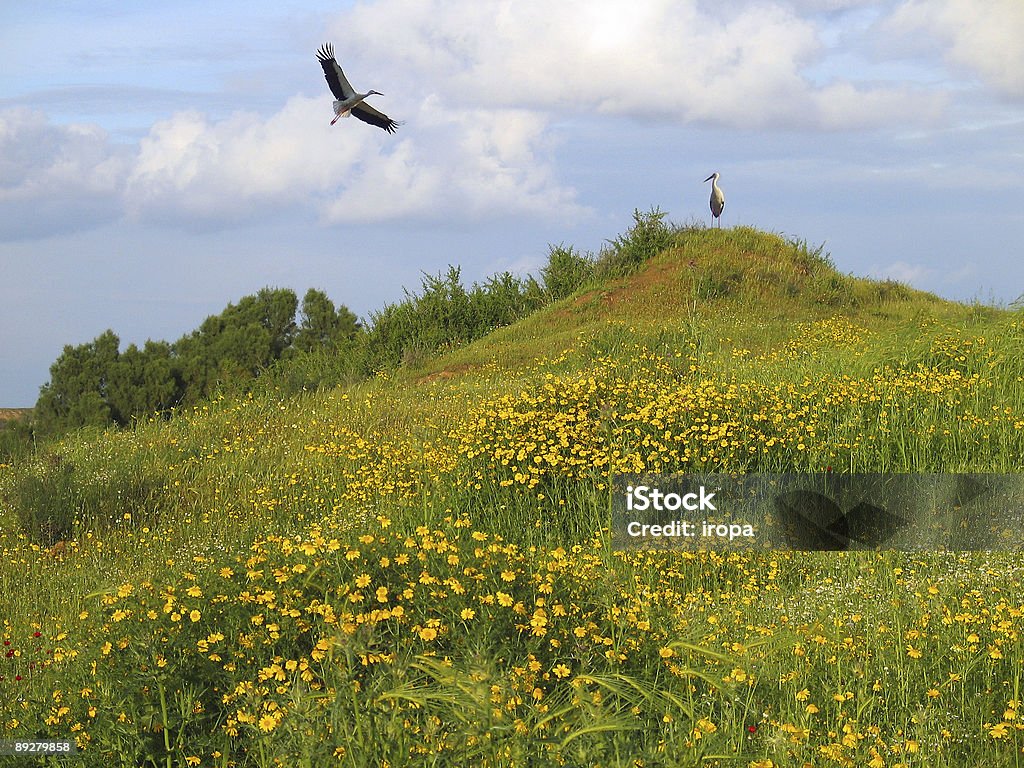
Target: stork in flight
{"x": 347, "y": 101}
{"x": 717, "y": 199}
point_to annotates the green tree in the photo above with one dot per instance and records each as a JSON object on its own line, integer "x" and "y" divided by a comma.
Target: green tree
{"x": 235, "y": 346}
{"x": 143, "y": 381}
{"x": 76, "y": 394}
{"x": 323, "y": 326}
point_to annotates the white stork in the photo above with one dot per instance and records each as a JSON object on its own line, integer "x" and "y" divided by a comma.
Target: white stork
{"x": 347, "y": 100}
{"x": 717, "y": 198}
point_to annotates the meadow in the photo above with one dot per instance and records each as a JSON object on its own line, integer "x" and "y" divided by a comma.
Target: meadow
{"x": 416, "y": 570}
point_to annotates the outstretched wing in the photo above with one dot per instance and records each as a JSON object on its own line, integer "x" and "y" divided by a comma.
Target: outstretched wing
{"x": 368, "y": 114}
{"x": 336, "y": 79}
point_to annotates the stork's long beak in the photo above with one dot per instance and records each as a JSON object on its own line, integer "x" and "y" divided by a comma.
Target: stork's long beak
{"x": 709, "y": 178}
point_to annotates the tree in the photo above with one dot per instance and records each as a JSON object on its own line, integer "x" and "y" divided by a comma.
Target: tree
{"x": 321, "y": 326}
{"x": 76, "y": 394}
{"x": 235, "y": 346}
{"x": 143, "y": 381}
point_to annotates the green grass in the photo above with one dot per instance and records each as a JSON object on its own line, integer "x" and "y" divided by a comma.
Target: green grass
{"x": 416, "y": 569}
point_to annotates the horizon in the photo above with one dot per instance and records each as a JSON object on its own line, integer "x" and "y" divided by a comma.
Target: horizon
{"x": 160, "y": 163}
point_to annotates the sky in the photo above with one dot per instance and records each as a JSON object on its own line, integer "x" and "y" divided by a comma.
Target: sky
{"x": 160, "y": 160}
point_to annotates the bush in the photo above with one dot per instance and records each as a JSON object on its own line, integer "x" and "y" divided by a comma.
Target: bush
{"x": 566, "y": 272}
{"x": 648, "y": 237}
{"x": 57, "y": 497}
{"x": 46, "y": 502}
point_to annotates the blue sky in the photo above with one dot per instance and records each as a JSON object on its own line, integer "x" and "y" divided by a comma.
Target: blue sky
{"x": 159, "y": 160}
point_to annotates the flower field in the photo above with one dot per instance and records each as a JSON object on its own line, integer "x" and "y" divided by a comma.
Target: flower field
{"x": 417, "y": 570}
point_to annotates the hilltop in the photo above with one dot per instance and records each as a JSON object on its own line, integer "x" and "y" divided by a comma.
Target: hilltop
{"x": 739, "y": 289}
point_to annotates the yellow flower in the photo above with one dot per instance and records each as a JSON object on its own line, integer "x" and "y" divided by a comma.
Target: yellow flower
{"x": 467, "y": 614}
{"x": 428, "y": 633}
{"x": 666, "y": 653}
{"x": 194, "y": 591}
{"x": 195, "y": 616}
{"x": 267, "y": 723}
{"x": 561, "y": 670}
{"x": 363, "y": 580}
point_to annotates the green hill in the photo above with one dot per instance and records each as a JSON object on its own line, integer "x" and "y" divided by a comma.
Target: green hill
{"x": 416, "y": 570}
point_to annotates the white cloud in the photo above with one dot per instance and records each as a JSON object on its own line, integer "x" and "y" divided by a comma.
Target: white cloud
{"x": 463, "y": 162}
{"x": 902, "y": 272}
{"x": 985, "y": 38}
{"x": 55, "y": 178}
{"x": 196, "y": 171}
{"x": 237, "y": 167}
{"x": 673, "y": 60}
{"x": 458, "y": 162}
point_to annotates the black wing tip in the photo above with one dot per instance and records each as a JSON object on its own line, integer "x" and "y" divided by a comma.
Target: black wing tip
{"x": 393, "y": 125}
{"x": 325, "y": 52}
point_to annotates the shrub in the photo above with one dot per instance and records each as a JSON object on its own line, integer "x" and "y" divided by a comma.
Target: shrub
{"x": 648, "y": 236}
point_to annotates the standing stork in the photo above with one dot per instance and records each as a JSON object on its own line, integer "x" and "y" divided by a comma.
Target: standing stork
{"x": 347, "y": 100}
{"x": 717, "y": 198}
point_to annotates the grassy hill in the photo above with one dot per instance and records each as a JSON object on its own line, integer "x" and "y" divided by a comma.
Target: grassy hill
{"x": 416, "y": 570}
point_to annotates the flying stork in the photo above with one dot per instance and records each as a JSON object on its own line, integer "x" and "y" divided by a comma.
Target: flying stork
{"x": 347, "y": 101}
{"x": 717, "y": 199}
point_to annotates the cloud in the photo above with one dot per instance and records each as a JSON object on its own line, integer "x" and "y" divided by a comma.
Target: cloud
{"x": 192, "y": 167}
{"x": 458, "y": 162}
{"x": 667, "y": 60}
{"x": 463, "y": 162}
{"x": 902, "y": 272}
{"x": 197, "y": 172}
{"x": 56, "y": 178}
{"x": 986, "y": 38}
